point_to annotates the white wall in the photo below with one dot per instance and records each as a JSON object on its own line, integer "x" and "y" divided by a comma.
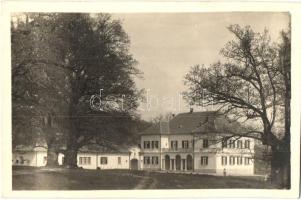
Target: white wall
{"x": 113, "y": 161}
{"x": 93, "y": 163}
{"x": 234, "y": 170}
{"x": 210, "y": 168}
{"x": 37, "y": 159}
{"x": 164, "y": 141}
{"x": 180, "y": 138}
{"x": 150, "y": 138}
{"x": 28, "y": 157}
{"x": 150, "y": 166}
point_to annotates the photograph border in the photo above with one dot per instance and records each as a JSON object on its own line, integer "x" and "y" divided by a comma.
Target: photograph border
{"x": 9, "y": 7}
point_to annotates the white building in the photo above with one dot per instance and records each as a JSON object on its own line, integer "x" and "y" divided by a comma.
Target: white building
{"x": 87, "y": 158}
{"x": 189, "y": 142}
{"x": 194, "y": 142}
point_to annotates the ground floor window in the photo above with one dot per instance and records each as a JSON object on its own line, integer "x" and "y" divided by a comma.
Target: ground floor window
{"x": 155, "y": 160}
{"x": 146, "y": 160}
{"x": 224, "y": 160}
{"x": 84, "y": 160}
{"x": 183, "y": 163}
{"x": 103, "y": 160}
{"x": 45, "y": 159}
{"x": 232, "y": 160}
{"x": 247, "y": 161}
{"x": 239, "y": 160}
{"x": 204, "y": 160}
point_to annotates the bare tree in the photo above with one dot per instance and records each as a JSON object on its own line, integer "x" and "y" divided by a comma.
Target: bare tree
{"x": 251, "y": 86}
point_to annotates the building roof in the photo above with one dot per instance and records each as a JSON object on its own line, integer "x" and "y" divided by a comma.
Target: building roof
{"x": 190, "y": 123}
{"x": 94, "y": 148}
{"x": 29, "y": 148}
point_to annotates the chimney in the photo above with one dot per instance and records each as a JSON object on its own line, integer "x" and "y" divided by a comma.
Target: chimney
{"x": 191, "y": 110}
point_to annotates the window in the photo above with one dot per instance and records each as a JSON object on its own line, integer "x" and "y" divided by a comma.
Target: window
{"x": 21, "y": 160}
{"x": 84, "y": 160}
{"x": 146, "y": 160}
{"x": 174, "y": 144}
{"x": 146, "y": 144}
{"x": 204, "y": 160}
{"x": 224, "y": 144}
{"x": 224, "y": 160}
{"x": 232, "y": 160}
{"x": 155, "y": 160}
{"x": 103, "y": 160}
{"x": 247, "y": 144}
{"x": 247, "y": 160}
{"x": 239, "y": 160}
{"x": 119, "y": 160}
{"x": 44, "y": 159}
{"x": 185, "y": 144}
{"x": 153, "y": 144}
{"x": 239, "y": 144}
{"x": 205, "y": 143}
{"x": 232, "y": 144}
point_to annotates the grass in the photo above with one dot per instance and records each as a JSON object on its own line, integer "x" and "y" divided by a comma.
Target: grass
{"x": 27, "y": 178}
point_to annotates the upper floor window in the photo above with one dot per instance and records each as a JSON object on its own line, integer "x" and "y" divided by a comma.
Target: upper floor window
{"x": 119, "y": 160}
{"x": 247, "y": 144}
{"x": 232, "y": 144}
{"x": 155, "y": 144}
{"x": 224, "y": 160}
{"x": 205, "y": 143}
{"x": 204, "y": 160}
{"x": 239, "y": 144}
{"x": 232, "y": 160}
{"x": 174, "y": 144}
{"x": 224, "y": 143}
{"x": 146, "y": 144}
{"x": 185, "y": 144}
{"x": 103, "y": 160}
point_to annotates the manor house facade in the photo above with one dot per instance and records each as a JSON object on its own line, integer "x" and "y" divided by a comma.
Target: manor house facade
{"x": 195, "y": 142}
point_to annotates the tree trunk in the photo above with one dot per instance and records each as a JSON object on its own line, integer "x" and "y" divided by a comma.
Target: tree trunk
{"x": 52, "y": 156}
{"x": 71, "y": 158}
{"x": 52, "y": 153}
{"x": 280, "y": 166}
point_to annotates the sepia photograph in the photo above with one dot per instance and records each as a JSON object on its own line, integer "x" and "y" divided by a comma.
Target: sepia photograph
{"x": 150, "y": 101}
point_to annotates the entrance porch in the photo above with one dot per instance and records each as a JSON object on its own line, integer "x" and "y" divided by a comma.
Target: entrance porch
{"x": 177, "y": 163}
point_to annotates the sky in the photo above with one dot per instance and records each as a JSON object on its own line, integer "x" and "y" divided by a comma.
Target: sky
{"x": 166, "y": 45}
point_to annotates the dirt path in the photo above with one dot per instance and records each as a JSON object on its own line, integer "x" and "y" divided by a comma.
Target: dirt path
{"x": 146, "y": 182}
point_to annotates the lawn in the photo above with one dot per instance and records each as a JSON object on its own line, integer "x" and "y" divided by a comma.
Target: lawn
{"x": 26, "y": 178}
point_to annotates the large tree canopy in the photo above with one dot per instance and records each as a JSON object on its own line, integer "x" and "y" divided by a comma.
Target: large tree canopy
{"x": 251, "y": 85}
{"x": 58, "y": 62}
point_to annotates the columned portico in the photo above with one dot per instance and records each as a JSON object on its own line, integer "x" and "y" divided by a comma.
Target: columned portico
{"x": 178, "y": 162}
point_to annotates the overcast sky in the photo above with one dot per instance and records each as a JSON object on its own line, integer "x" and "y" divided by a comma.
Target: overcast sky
{"x": 167, "y": 45}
